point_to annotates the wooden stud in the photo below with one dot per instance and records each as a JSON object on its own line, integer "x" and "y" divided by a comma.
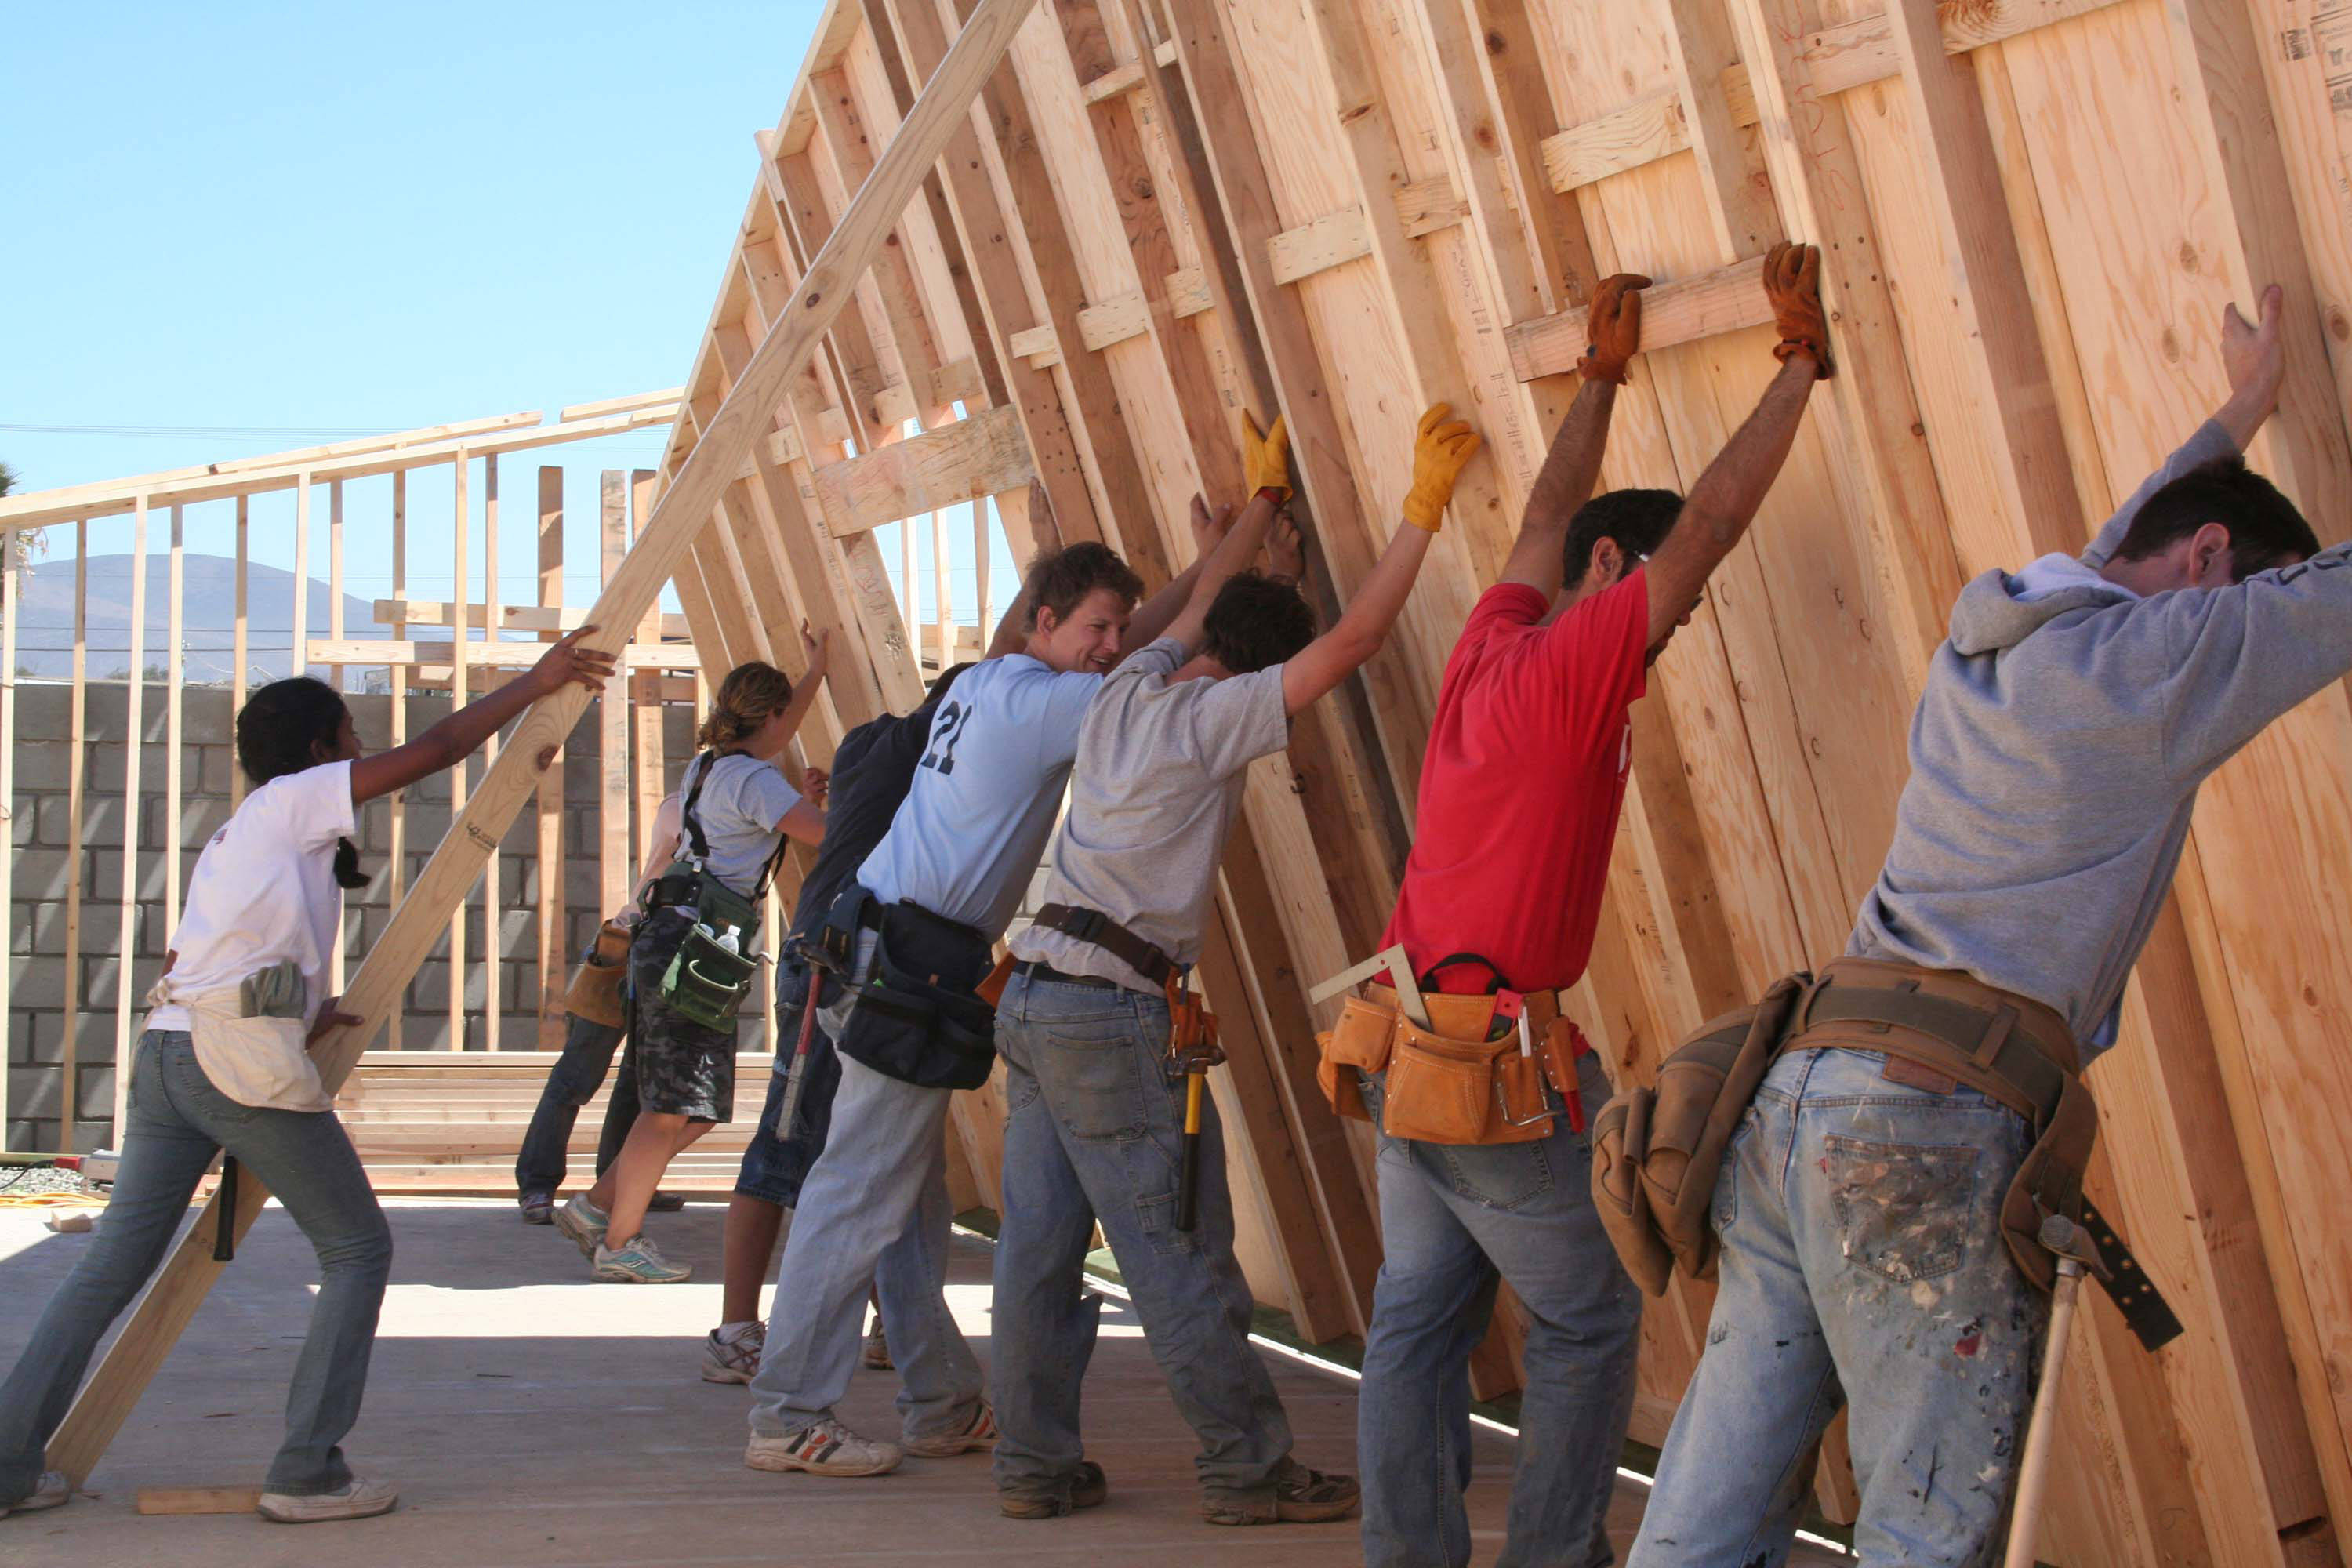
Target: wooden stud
{"x": 461, "y": 656}
{"x": 134, "y": 747}
{"x": 612, "y": 717}
{"x": 174, "y": 698}
{"x": 494, "y": 903}
{"x": 299, "y": 640}
{"x": 76, "y": 767}
{"x": 396, "y": 685}
{"x": 238, "y": 683}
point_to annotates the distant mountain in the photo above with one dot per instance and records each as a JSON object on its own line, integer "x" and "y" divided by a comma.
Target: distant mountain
{"x": 208, "y": 618}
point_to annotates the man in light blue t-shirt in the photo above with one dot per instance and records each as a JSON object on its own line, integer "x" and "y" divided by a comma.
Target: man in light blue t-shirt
{"x": 937, "y": 892}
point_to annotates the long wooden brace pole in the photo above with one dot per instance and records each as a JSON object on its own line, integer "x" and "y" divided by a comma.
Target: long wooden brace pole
{"x": 748, "y": 415}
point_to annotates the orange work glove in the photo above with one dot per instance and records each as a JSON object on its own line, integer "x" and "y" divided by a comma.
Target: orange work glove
{"x": 1614, "y": 329}
{"x": 1265, "y": 459}
{"x": 1792, "y": 281}
{"x": 1439, "y": 452}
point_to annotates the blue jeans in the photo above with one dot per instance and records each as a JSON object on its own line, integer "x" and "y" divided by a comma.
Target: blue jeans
{"x": 1862, "y": 1257}
{"x": 874, "y": 1211}
{"x": 572, "y": 1082}
{"x": 1453, "y": 1220}
{"x": 176, "y": 1120}
{"x": 1094, "y": 1129}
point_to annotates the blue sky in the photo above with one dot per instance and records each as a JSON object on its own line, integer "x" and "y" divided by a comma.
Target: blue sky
{"x": 321, "y": 221}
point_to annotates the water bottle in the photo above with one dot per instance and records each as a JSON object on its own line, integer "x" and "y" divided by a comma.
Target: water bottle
{"x": 730, "y": 941}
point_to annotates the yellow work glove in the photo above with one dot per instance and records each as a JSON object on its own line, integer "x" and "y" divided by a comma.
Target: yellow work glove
{"x": 1265, "y": 459}
{"x": 1439, "y": 452}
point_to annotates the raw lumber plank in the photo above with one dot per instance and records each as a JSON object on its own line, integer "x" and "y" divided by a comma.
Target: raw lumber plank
{"x": 198, "y": 1500}
{"x": 1678, "y": 310}
{"x": 554, "y": 942}
{"x": 134, "y": 737}
{"x": 106, "y": 1400}
{"x": 974, "y": 456}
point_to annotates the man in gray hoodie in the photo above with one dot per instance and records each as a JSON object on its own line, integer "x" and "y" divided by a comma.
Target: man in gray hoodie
{"x": 2055, "y": 757}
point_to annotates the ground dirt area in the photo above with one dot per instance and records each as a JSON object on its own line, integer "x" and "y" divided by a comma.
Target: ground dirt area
{"x": 531, "y": 1416}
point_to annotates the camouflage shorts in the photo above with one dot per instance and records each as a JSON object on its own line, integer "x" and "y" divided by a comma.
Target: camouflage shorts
{"x": 683, "y": 1068}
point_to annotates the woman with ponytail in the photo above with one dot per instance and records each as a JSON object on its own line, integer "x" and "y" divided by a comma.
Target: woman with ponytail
{"x": 224, "y": 1065}
{"x": 736, "y": 810}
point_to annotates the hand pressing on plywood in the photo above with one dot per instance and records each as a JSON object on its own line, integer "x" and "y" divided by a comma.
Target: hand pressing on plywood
{"x": 1792, "y": 281}
{"x": 1285, "y": 553}
{"x": 1613, "y": 328}
{"x": 2254, "y": 355}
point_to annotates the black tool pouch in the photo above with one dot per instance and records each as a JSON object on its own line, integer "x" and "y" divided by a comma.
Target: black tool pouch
{"x": 916, "y": 1017}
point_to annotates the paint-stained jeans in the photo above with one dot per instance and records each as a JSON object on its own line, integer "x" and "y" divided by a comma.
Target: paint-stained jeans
{"x": 176, "y": 1122}
{"x": 1862, "y": 1256}
{"x": 1094, "y": 1129}
{"x": 1452, "y": 1219}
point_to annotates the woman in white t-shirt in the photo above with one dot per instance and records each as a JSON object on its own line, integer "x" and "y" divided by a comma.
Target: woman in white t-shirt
{"x": 223, "y": 1063}
{"x": 737, "y": 800}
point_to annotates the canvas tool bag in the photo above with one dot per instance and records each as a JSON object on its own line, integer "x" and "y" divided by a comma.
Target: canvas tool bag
{"x": 1449, "y": 1083}
{"x": 707, "y": 981}
{"x": 596, "y": 986}
{"x": 254, "y": 1042}
{"x": 1657, "y": 1151}
{"x": 917, "y": 1016}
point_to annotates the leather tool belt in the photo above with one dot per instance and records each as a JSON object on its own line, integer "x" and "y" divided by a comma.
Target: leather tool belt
{"x": 1657, "y": 1151}
{"x": 595, "y": 992}
{"x": 1092, "y": 925}
{"x": 1449, "y": 1083}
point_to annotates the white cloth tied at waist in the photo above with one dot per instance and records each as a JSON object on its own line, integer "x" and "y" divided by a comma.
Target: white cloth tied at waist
{"x": 263, "y": 1062}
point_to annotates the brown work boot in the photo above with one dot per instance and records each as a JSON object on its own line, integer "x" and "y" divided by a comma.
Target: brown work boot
{"x": 1088, "y": 1489}
{"x": 1299, "y": 1495}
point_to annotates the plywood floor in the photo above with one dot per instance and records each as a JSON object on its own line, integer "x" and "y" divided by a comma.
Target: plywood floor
{"x": 532, "y": 1417}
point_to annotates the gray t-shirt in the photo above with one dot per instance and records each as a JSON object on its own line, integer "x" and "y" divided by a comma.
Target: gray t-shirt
{"x": 741, "y": 802}
{"x": 967, "y": 838}
{"x": 1153, "y": 797}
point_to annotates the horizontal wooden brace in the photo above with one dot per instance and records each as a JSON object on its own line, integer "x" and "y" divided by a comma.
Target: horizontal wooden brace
{"x": 1333, "y": 239}
{"x": 1843, "y": 57}
{"x": 511, "y": 618}
{"x": 984, "y": 455}
{"x": 1121, "y": 79}
{"x": 621, "y": 405}
{"x": 1038, "y": 345}
{"x": 1188, "y": 292}
{"x": 1425, "y": 206}
{"x": 494, "y": 655}
{"x": 957, "y": 380}
{"x": 1680, "y": 310}
{"x": 783, "y": 446}
{"x": 894, "y": 405}
{"x": 35, "y": 508}
{"x": 1114, "y": 321}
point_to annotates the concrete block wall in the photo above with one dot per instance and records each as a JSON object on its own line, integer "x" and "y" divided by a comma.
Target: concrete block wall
{"x": 44, "y": 868}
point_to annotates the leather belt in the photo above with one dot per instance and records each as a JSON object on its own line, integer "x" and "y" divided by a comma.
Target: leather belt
{"x": 1092, "y": 925}
{"x": 1038, "y": 969}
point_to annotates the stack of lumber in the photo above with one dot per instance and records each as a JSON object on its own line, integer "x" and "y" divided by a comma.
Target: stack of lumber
{"x": 449, "y": 1124}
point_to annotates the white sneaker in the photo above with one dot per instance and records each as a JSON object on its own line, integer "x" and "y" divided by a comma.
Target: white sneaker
{"x": 50, "y": 1491}
{"x": 360, "y": 1500}
{"x": 584, "y": 1222}
{"x": 640, "y": 1262}
{"x": 827, "y": 1448}
{"x": 733, "y": 1360}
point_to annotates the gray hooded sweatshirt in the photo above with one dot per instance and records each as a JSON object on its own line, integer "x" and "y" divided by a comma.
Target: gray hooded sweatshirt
{"x": 2057, "y": 750}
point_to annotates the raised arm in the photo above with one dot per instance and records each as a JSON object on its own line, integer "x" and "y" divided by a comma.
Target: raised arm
{"x": 1438, "y": 454}
{"x": 1236, "y": 547}
{"x": 1725, "y": 500}
{"x": 459, "y": 736}
{"x": 817, "y": 649}
{"x": 2256, "y": 363}
{"x": 1572, "y": 467}
{"x": 1265, "y": 465}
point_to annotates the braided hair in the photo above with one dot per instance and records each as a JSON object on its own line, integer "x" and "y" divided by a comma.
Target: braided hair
{"x": 283, "y": 729}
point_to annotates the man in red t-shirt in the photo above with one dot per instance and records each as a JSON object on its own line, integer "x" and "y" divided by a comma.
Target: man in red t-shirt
{"x": 1519, "y": 795}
